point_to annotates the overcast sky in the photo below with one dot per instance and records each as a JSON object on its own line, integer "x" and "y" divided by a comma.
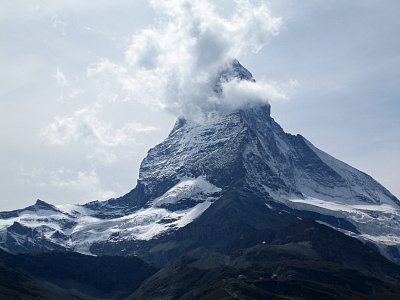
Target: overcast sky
{"x": 73, "y": 128}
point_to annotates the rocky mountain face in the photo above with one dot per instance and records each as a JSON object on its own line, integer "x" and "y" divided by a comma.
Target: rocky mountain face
{"x": 227, "y": 183}
{"x": 305, "y": 260}
{"x": 69, "y": 275}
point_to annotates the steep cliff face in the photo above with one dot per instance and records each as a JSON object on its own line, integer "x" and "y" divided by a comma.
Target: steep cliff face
{"x": 226, "y": 182}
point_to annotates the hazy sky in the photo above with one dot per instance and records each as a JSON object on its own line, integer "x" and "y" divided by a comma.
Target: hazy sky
{"x": 77, "y": 118}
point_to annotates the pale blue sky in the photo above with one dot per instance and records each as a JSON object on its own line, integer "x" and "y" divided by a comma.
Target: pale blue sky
{"x": 343, "y": 54}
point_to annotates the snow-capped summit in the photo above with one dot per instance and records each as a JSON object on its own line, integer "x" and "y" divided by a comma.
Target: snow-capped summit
{"x": 233, "y": 71}
{"x": 238, "y": 173}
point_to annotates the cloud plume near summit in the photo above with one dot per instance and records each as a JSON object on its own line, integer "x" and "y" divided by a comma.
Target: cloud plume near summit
{"x": 174, "y": 65}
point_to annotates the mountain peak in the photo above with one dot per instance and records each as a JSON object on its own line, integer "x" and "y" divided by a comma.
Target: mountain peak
{"x": 237, "y": 169}
{"x": 40, "y": 204}
{"x": 232, "y": 70}
{"x": 235, "y": 70}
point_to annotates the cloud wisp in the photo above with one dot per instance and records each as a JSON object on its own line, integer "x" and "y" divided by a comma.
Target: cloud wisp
{"x": 174, "y": 65}
{"x": 84, "y": 126}
{"x": 82, "y": 182}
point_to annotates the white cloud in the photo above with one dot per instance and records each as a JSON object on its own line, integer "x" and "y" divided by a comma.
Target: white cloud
{"x": 175, "y": 64}
{"x": 145, "y": 49}
{"x": 62, "y": 82}
{"x": 245, "y": 93}
{"x": 102, "y": 139}
{"x": 86, "y": 183}
{"x": 60, "y": 78}
{"x": 59, "y": 24}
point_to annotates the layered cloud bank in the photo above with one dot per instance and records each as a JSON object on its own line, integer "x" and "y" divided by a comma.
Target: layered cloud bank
{"x": 174, "y": 64}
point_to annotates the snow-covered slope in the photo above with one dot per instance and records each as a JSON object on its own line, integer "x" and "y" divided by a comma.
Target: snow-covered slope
{"x": 182, "y": 179}
{"x": 44, "y": 227}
